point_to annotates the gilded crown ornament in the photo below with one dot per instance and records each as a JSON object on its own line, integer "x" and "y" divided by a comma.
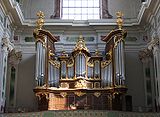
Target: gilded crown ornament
{"x": 81, "y": 44}
{"x": 40, "y": 21}
{"x": 119, "y": 15}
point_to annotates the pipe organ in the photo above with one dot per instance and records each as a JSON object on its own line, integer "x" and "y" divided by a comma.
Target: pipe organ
{"x": 79, "y": 80}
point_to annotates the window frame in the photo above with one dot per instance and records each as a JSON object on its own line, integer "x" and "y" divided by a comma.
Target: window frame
{"x": 81, "y": 14}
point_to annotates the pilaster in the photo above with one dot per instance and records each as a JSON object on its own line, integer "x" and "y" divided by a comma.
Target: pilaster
{"x": 146, "y": 58}
{"x": 155, "y": 48}
{"x": 6, "y": 47}
{"x": 11, "y": 90}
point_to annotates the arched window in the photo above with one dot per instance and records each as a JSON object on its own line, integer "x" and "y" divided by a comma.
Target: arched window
{"x": 80, "y": 9}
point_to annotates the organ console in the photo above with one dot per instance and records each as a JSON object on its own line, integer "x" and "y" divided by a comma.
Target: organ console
{"x": 80, "y": 80}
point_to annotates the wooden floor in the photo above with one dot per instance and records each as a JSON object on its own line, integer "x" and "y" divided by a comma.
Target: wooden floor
{"x": 81, "y": 113}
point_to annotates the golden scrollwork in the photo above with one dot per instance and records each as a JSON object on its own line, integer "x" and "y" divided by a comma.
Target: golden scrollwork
{"x": 118, "y": 39}
{"x": 81, "y": 84}
{"x": 64, "y": 85}
{"x": 55, "y": 63}
{"x": 63, "y": 94}
{"x": 51, "y": 54}
{"x": 119, "y": 19}
{"x": 79, "y": 93}
{"x": 90, "y": 63}
{"x": 109, "y": 54}
{"x": 97, "y": 53}
{"x": 105, "y": 63}
{"x": 70, "y": 62}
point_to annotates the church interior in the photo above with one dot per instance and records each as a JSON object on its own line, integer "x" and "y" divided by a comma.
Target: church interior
{"x": 79, "y": 58}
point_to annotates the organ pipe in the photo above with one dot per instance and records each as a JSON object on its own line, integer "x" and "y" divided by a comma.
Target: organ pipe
{"x": 40, "y": 63}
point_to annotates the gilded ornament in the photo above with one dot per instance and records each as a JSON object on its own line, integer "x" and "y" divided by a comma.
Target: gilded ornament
{"x": 40, "y": 21}
{"x": 97, "y": 53}
{"x": 97, "y": 94}
{"x": 119, "y": 19}
{"x": 63, "y": 94}
{"x": 51, "y": 54}
{"x": 79, "y": 93}
{"x": 55, "y": 63}
{"x": 81, "y": 84}
{"x": 70, "y": 62}
{"x": 81, "y": 44}
{"x": 105, "y": 63}
{"x": 90, "y": 63}
{"x": 64, "y": 85}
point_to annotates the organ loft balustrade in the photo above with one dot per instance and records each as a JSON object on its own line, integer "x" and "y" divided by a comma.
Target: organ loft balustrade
{"x": 80, "y": 80}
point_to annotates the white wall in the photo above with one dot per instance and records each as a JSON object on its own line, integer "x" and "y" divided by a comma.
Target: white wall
{"x": 134, "y": 79}
{"x": 26, "y": 79}
{"x": 31, "y": 7}
{"x": 130, "y": 8}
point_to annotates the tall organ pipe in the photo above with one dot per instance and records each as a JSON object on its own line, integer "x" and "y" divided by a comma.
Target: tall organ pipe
{"x": 39, "y": 64}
